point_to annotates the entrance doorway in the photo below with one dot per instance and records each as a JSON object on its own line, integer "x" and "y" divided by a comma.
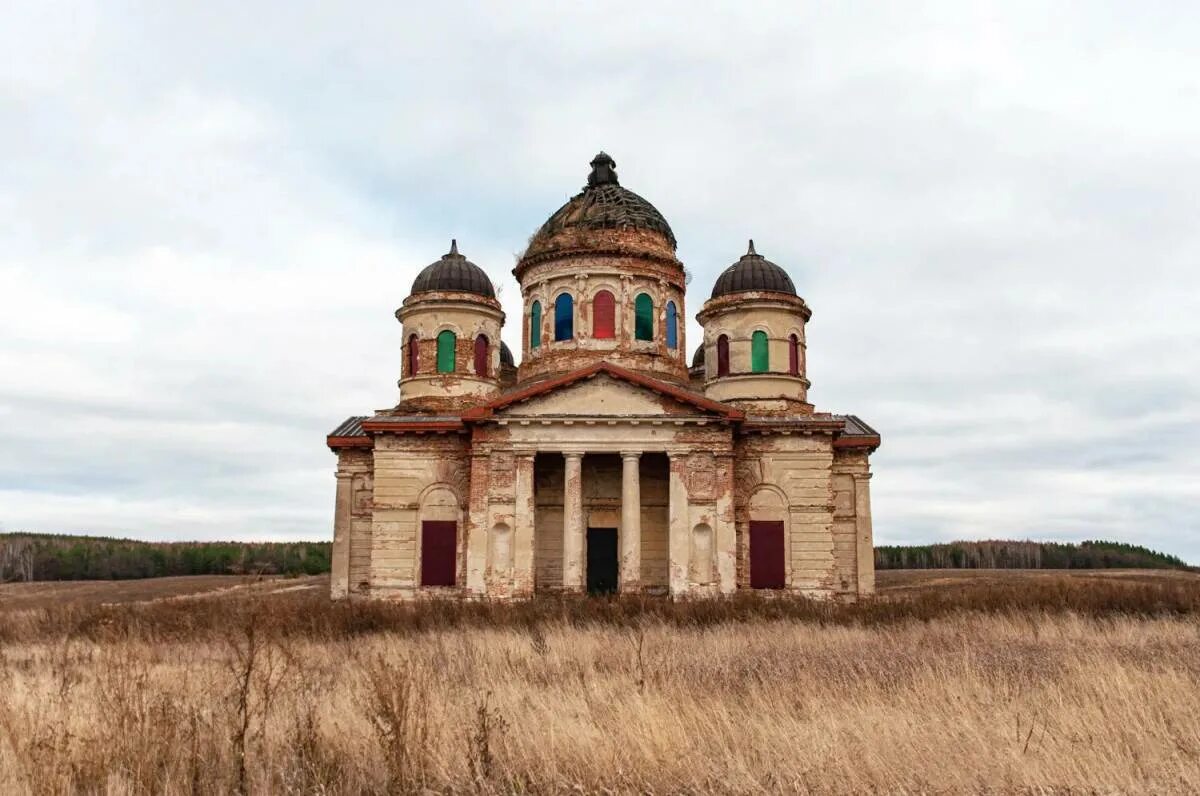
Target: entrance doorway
{"x": 601, "y": 560}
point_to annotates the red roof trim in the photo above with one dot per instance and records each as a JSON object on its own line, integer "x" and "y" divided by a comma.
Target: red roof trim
{"x": 412, "y": 425}
{"x": 348, "y": 442}
{"x": 857, "y": 442}
{"x": 484, "y": 411}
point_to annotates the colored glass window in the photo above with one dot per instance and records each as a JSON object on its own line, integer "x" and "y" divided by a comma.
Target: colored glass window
{"x": 722, "y": 356}
{"x": 672, "y": 326}
{"x": 535, "y": 325}
{"x": 643, "y": 317}
{"x": 564, "y": 317}
{"x": 413, "y": 355}
{"x": 604, "y": 315}
{"x": 759, "y": 359}
{"x": 481, "y": 355}
{"x": 445, "y": 351}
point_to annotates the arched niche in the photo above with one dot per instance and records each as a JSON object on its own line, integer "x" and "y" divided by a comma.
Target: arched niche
{"x": 701, "y": 569}
{"x": 500, "y": 550}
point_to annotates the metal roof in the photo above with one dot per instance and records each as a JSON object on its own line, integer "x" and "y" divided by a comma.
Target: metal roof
{"x": 454, "y": 272}
{"x": 351, "y": 427}
{"x": 603, "y": 204}
{"x": 753, "y": 272}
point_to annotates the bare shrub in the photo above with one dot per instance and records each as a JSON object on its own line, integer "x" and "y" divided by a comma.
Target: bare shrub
{"x": 395, "y": 703}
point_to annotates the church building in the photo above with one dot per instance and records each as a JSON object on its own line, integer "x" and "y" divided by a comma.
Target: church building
{"x": 606, "y": 460}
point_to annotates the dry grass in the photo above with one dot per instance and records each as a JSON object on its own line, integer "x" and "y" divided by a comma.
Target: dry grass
{"x": 1064, "y": 685}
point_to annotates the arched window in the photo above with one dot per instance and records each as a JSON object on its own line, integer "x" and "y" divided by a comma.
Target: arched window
{"x": 643, "y": 317}
{"x": 759, "y": 360}
{"x": 445, "y": 351}
{"x": 722, "y": 356}
{"x": 604, "y": 315}
{"x": 481, "y": 355}
{"x": 794, "y": 355}
{"x": 413, "y": 355}
{"x": 535, "y": 325}
{"x": 564, "y": 317}
{"x": 672, "y": 325}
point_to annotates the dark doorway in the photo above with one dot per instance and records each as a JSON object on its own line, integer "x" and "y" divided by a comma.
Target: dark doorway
{"x": 767, "y": 557}
{"x": 601, "y": 560}
{"x": 438, "y": 543}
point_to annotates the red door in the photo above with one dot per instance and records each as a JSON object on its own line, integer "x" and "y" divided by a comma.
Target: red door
{"x": 767, "y": 555}
{"x": 437, "y": 552}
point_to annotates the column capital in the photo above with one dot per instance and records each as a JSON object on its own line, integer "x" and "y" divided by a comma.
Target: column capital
{"x": 631, "y": 454}
{"x": 343, "y": 476}
{"x": 573, "y": 454}
{"x": 524, "y": 454}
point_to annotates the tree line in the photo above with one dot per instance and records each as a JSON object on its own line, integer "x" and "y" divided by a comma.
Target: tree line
{"x": 1006, "y": 554}
{"x": 28, "y": 557}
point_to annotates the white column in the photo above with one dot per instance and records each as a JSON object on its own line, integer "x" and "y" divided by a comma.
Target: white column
{"x": 866, "y": 543}
{"x": 573, "y": 553}
{"x": 339, "y": 581}
{"x": 523, "y": 525}
{"x": 724, "y": 530}
{"x": 475, "y": 528}
{"x": 631, "y": 521}
{"x": 679, "y": 537}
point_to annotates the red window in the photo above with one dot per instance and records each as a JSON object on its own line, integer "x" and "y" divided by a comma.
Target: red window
{"x": 722, "y": 356}
{"x": 413, "y": 354}
{"x": 604, "y": 315}
{"x": 767, "y": 570}
{"x": 481, "y": 355}
{"x": 437, "y": 552}
{"x": 794, "y": 355}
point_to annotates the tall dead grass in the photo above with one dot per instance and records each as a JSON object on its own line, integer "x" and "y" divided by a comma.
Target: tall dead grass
{"x": 973, "y": 692}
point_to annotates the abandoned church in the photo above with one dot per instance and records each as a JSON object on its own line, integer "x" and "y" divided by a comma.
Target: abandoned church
{"x": 606, "y": 460}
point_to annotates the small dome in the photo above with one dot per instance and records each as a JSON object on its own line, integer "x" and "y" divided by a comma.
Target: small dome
{"x": 753, "y": 272}
{"x": 698, "y": 357}
{"x": 603, "y": 204}
{"x": 506, "y": 357}
{"x": 454, "y": 272}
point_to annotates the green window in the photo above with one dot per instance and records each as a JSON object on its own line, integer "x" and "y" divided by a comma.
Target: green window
{"x": 643, "y": 317}
{"x": 535, "y": 325}
{"x": 445, "y": 351}
{"x": 759, "y": 359}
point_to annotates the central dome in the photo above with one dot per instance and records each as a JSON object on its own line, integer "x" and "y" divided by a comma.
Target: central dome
{"x": 602, "y": 205}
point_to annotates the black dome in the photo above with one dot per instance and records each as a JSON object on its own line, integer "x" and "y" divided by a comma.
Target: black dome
{"x": 698, "y": 357}
{"x": 753, "y": 272}
{"x": 604, "y": 204}
{"x": 506, "y": 354}
{"x": 454, "y": 272}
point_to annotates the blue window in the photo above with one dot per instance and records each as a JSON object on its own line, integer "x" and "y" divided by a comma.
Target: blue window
{"x": 535, "y": 325}
{"x": 672, "y": 325}
{"x": 564, "y": 317}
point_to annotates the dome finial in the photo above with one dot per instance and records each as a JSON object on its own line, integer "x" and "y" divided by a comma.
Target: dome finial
{"x": 453, "y": 248}
{"x": 750, "y": 251}
{"x": 603, "y": 171}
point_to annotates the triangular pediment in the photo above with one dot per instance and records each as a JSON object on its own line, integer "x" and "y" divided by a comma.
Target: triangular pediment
{"x": 602, "y": 390}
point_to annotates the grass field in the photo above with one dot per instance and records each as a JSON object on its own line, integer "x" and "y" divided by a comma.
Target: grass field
{"x": 960, "y": 682}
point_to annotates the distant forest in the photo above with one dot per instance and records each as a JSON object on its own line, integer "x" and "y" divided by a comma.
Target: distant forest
{"x": 1023, "y": 555}
{"x": 27, "y": 557}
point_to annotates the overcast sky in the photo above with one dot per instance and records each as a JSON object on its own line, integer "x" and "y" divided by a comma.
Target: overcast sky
{"x": 208, "y": 217}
